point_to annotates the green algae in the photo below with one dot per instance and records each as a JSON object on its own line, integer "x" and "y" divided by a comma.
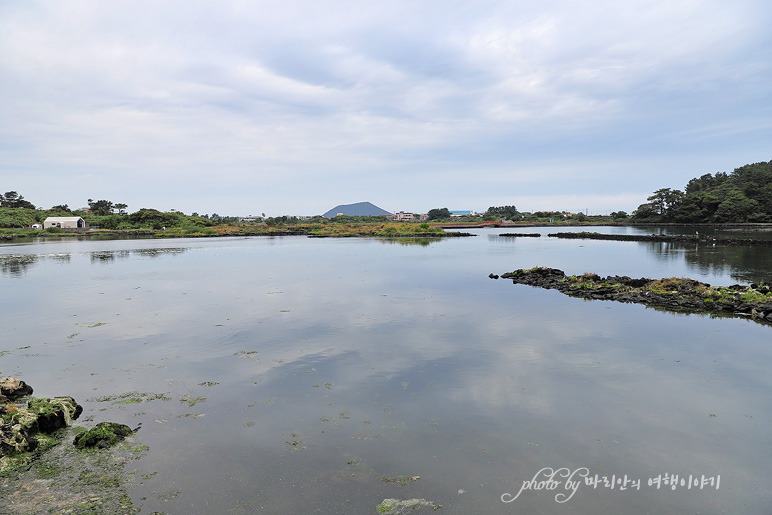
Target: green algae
{"x": 104, "y": 434}
{"x": 133, "y": 397}
{"x": 65, "y": 479}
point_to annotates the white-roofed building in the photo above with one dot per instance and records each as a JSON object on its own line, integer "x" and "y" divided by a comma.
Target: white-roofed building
{"x": 65, "y": 222}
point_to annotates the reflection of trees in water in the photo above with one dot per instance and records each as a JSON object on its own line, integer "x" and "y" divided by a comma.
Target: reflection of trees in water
{"x": 106, "y": 256}
{"x": 158, "y": 252}
{"x": 16, "y": 264}
{"x": 746, "y": 264}
{"x": 423, "y": 242}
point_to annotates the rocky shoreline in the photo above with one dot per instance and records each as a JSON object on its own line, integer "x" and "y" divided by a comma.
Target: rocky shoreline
{"x": 673, "y": 294}
{"x": 41, "y": 473}
{"x": 675, "y": 238}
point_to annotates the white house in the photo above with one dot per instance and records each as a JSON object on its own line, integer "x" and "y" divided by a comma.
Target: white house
{"x": 65, "y": 222}
{"x": 404, "y": 217}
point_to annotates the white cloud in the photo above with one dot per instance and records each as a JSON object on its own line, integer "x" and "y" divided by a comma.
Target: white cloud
{"x": 252, "y": 94}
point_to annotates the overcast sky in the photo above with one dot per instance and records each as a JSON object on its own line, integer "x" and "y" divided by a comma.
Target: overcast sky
{"x": 245, "y": 107}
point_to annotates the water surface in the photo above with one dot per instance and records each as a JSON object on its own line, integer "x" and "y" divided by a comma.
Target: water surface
{"x": 300, "y": 372}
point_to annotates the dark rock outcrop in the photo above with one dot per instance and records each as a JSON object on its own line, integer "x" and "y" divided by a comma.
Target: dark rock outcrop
{"x": 675, "y": 294}
{"x": 674, "y": 238}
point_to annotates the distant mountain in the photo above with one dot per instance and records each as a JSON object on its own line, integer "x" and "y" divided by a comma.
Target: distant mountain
{"x": 358, "y": 209}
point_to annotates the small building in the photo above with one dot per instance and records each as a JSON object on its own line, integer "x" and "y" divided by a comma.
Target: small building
{"x": 404, "y": 217}
{"x": 65, "y": 222}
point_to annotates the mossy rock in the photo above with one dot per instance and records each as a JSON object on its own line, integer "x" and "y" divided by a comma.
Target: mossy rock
{"x": 56, "y": 413}
{"x": 20, "y": 426}
{"x": 102, "y": 435}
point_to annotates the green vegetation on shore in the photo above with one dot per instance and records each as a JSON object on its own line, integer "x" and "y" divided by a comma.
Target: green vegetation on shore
{"x": 17, "y": 216}
{"x": 16, "y": 222}
{"x": 743, "y": 196}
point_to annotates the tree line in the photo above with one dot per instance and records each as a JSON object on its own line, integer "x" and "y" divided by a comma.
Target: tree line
{"x": 17, "y": 212}
{"x": 745, "y": 195}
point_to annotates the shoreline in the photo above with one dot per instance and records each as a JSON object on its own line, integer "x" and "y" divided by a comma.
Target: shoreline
{"x": 378, "y": 231}
{"x": 235, "y": 231}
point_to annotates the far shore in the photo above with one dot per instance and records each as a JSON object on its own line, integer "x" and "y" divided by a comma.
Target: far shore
{"x": 406, "y": 230}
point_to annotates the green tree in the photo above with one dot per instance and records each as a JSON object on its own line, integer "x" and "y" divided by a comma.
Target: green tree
{"x": 439, "y": 214}
{"x": 666, "y": 201}
{"x": 745, "y": 195}
{"x": 100, "y": 207}
{"x": 646, "y": 212}
{"x": 155, "y": 219}
{"x": 502, "y": 212}
{"x": 14, "y": 200}
{"x": 738, "y": 208}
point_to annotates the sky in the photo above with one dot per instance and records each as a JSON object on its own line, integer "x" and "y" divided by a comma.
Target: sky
{"x": 244, "y": 107}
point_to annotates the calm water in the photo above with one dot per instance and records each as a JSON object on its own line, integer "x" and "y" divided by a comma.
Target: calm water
{"x": 300, "y": 372}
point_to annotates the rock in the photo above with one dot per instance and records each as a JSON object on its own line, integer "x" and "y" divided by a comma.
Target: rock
{"x": 398, "y": 507}
{"x": 56, "y": 413}
{"x": 17, "y": 433}
{"x": 673, "y": 238}
{"x": 21, "y": 425}
{"x": 102, "y": 435}
{"x": 13, "y": 388}
{"x": 674, "y": 294}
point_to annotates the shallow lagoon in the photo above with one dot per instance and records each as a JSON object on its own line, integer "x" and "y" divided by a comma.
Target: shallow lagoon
{"x": 300, "y": 372}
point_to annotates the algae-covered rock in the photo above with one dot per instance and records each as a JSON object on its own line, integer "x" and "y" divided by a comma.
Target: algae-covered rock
{"x": 12, "y": 388}
{"x": 56, "y": 413}
{"x": 102, "y": 435}
{"x": 17, "y": 433}
{"x": 19, "y": 425}
{"x": 400, "y": 507}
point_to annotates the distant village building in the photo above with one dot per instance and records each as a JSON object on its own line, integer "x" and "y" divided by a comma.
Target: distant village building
{"x": 409, "y": 217}
{"x": 65, "y": 222}
{"x": 456, "y": 214}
